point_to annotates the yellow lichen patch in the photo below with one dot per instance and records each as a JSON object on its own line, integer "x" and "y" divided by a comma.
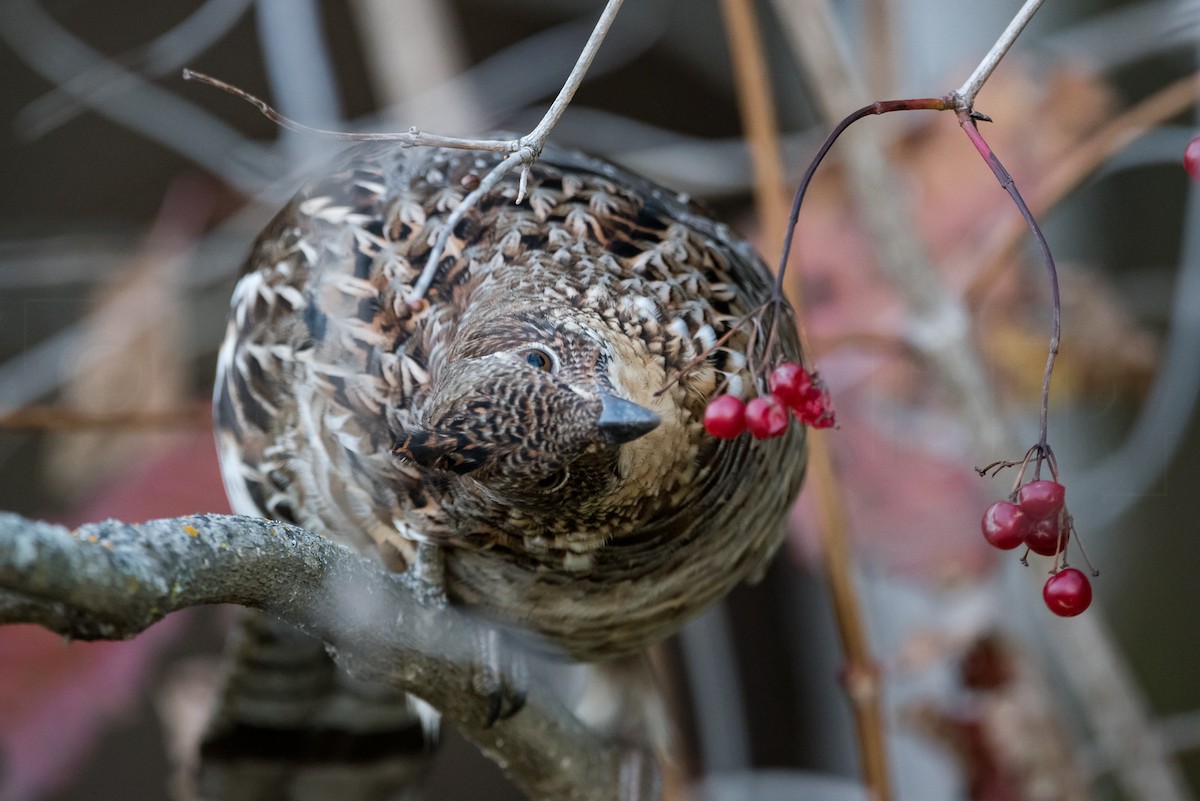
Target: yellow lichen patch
{"x": 191, "y": 531}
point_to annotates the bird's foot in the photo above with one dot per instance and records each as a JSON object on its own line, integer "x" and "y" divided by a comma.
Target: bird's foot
{"x": 500, "y": 673}
{"x": 428, "y": 573}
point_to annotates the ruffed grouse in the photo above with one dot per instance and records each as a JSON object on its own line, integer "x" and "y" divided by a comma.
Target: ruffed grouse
{"x": 514, "y": 417}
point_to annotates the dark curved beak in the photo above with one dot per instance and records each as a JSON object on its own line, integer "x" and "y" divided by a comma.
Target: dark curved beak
{"x": 623, "y": 421}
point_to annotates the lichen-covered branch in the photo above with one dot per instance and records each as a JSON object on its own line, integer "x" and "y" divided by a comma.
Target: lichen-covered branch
{"x": 111, "y": 580}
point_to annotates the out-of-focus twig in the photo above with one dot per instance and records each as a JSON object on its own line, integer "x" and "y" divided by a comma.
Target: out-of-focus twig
{"x": 861, "y": 683}
{"x": 878, "y": 20}
{"x": 298, "y": 66}
{"x": 757, "y": 107}
{"x": 47, "y": 48}
{"x": 412, "y": 47}
{"x": 1121, "y": 34}
{"x": 164, "y": 55}
{"x": 938, "y": 325}
{"x": 1116, "y": 708}
{"x": 54, "y": 418}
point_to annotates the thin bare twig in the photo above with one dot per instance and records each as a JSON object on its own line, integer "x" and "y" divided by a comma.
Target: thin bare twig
{"x": 537, "y": 137}
{"x": 970, "y": 88}
{"x": 937, "y": 325}
{"x": 165, "y": 54}
{"x": 153, "y": 112}
{"x": 410, "y": 138}
{"x": 487, "y": 184}
{"x": 967, "y": 121}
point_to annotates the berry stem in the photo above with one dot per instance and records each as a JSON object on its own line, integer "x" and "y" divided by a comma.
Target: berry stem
{"x": 1020, "y": 479}
{"x": 968, "y": 122}
{"x": 1082, "y": 551}
{"x": 878, "y": 107}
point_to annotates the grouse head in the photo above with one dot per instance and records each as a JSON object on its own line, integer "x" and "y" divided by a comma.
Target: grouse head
{"x": 534, "y": 407}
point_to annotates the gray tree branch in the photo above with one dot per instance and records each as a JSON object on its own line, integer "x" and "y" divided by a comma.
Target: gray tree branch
{"x": 112, "y": 580}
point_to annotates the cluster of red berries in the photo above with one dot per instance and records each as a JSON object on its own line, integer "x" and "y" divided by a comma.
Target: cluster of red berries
{"x": 1039, "y": 521}
{"x": 793, "y": 389}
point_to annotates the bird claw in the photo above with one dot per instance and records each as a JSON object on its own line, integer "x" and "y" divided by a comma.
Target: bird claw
{"x": 428, "y": 573}
{"x": 501, "y": 675}
{"x": 499, "y": 672}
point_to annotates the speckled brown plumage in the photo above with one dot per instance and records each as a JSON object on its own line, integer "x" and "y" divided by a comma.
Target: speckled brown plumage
{"x": 468, "y": 419}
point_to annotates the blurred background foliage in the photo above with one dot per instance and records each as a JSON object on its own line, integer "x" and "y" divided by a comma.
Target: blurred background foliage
{"x": 130, "y": 198}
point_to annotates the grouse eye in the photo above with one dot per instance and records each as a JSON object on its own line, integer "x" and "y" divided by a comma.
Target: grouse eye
{"x": 537, "y": 358}
{"x": 553, "y": 481}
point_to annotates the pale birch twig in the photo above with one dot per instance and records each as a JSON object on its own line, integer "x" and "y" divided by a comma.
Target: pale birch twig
{"x": 966, "y": 93}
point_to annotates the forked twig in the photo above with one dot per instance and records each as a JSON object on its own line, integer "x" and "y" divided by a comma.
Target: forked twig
{"x": 970, "y": 88}
{"x": 523, "y": 150}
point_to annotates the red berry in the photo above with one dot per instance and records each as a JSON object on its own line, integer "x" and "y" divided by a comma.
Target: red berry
{"x": 1191, "y": 158}
{"x": 725, "y": 416}
{"x": 790, "y": 383}
{"x": 766, "y": 417}
{"x": 1047, "y": 536}
{"x": 827, "y": 420}
{"x": 1068, "y": 592}
{"x": 1005, "y": 525}
{"x": 1042, "y": 499}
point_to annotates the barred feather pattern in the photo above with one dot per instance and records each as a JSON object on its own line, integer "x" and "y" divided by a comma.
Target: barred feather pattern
{"x": 346, "y": 407}
{"x": 289, "y": 725}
